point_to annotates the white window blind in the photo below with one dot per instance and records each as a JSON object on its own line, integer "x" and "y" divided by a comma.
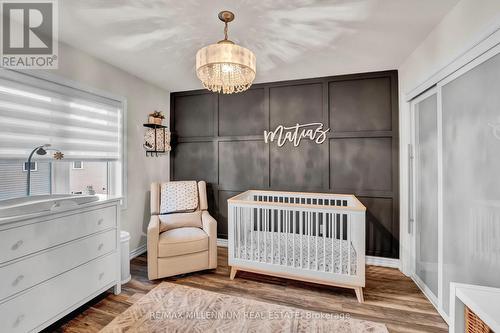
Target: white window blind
{"x": 34, "y": 111}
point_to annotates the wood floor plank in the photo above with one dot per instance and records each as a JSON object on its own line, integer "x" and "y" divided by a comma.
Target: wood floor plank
{"x": 390, "y": 297}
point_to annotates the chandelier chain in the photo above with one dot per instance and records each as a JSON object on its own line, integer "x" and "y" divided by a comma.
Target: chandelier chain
{"x": 225, "y": 30}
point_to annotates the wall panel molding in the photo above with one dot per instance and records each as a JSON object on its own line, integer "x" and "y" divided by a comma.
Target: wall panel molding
{"x": 360, "y": 155}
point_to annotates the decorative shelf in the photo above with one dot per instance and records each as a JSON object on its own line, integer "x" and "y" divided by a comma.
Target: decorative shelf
{"x": 154, "y": 125}
{"x": 157, "y": 139}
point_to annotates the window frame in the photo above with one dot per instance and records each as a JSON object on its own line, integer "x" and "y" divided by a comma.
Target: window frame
{"x": 115, "y": 184}
{"x": 74, "y": 167}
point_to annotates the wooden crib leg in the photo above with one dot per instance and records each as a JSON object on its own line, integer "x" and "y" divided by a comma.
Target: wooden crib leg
{"x": 233, "y": 273}
{"x": 359, "y": 294}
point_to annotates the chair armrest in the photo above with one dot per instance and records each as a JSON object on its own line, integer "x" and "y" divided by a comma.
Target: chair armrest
{"x": 210, "y": 227}
{"x": 152, "y": 244}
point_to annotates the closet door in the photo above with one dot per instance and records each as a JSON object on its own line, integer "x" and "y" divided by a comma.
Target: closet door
{"x": 425, "y": 165}
{"x": 471, "y": 176}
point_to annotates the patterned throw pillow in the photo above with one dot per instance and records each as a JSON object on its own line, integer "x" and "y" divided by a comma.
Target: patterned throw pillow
{"x": 179, "y": 197}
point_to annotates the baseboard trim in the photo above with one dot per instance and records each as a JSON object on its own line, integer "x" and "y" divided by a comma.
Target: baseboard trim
{"x": 221, "y": 242}
{"x": 383, "y": 262}
{"x": 370, "y": 260}
{"x": 137, "y": 252}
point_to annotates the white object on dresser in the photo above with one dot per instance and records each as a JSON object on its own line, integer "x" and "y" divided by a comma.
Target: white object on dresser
{"x": 53, "y": 262}
{"x": 483, "y": 301}
{"x": 315, "y": 237}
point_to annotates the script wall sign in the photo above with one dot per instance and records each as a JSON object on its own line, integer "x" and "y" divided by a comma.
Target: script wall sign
{"x": 294, "y": 134}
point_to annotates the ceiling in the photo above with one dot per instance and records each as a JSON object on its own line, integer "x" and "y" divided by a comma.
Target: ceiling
{"x": 157, "y": 40}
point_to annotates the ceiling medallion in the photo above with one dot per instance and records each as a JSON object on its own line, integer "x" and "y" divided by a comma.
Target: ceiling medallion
{"x": 225, "y": 67}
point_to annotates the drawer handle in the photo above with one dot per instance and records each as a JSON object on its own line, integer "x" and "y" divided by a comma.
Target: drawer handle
{"x": 101, "y": 276}
{"x": 99, "y": 248}
{"x": 99, "y": 222}
{"x": 17, "y": 280}
{"x": 18, "y": 320}
{"x": 17, "y": 244}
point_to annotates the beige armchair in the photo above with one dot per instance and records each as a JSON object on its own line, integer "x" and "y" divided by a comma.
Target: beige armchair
{"x": 189, "y": 244}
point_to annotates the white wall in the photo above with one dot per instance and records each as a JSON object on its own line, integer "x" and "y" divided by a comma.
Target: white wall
{"x": 142, "y": 98}
{"x": 463, "y": 27}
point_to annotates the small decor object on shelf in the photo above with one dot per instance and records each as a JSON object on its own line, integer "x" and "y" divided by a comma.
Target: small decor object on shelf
{"x": 156, "y": 118}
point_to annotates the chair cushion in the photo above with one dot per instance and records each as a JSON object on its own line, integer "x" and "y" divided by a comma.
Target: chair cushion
{"x": 181, "y": 241}
{"x": 180, "y": 220}
{"x": 179, "y": 196}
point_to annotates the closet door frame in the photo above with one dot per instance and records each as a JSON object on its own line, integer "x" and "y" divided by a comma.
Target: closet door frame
{"x": 412, "y": 201}
{"x": 437, "y": 89}
{"x": 458, "y": 73}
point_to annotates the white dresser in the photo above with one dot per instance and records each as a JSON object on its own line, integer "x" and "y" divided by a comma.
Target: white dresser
{"x": 52, "y": 263}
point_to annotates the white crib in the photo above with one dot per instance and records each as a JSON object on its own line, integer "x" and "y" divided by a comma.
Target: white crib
{"x": 314, "y": 237}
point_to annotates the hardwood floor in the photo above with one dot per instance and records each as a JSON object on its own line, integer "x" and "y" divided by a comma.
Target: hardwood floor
{"x": 390, "y": 297}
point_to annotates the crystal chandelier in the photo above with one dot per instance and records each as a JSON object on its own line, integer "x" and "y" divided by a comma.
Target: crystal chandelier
{"x": 225, "y": 67}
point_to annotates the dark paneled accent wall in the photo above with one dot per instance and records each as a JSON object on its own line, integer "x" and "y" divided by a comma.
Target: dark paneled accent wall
{"x": 219, "y": 139}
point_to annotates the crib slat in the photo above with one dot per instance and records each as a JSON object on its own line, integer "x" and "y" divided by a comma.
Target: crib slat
{"x": 316, "y": 215}
{"x": 258, "y": 232}
{"x": 272, "y": 236}
{"x": 286, "y": 238}
{"x": 309, "y": 240}
{"x": 348, "y": 227}
{"x": 324, "y": 240}
{"x": 245, "y": 226}
{"x": 293, "y": 238}
{"x": 341, "y": 241}
{"x": 251, "y": 232}
{"x": 265, "y": 235}
{"x": 279, "y": 236}
{"x": 238, "y": 234}
{"x": 334, "y": 239}
{"x": 301, "y": 234}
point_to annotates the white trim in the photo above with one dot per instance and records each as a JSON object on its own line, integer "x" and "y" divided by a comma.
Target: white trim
{"x": 410, "y": 237}
{"x": 430, "y": 296}
{"x": 138, "y": 251}
{"x": 440, "y": 195}
{"x": 383, "y": 262}
{"x": 425, "y": 290}
{"x": 370, "y": 260}
{"x": 404, "y": 187}
{"x": 221, "y": 242}
{"x": 480, "y": 44}
{"x": 485, "y": 56}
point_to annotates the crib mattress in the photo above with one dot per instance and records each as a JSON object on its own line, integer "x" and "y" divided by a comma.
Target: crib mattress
{"x": 272, "y": 250}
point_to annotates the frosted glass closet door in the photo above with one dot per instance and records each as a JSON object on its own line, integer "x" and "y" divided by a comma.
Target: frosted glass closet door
{"x": 426, "y": 178}
{"x": 471, "y": 177}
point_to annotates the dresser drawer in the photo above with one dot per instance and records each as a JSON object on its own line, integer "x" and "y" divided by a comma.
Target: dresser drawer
{"x": 42, "y": 303}
{"x": 23, "y": 274}
{"x": 20, "y": 241}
